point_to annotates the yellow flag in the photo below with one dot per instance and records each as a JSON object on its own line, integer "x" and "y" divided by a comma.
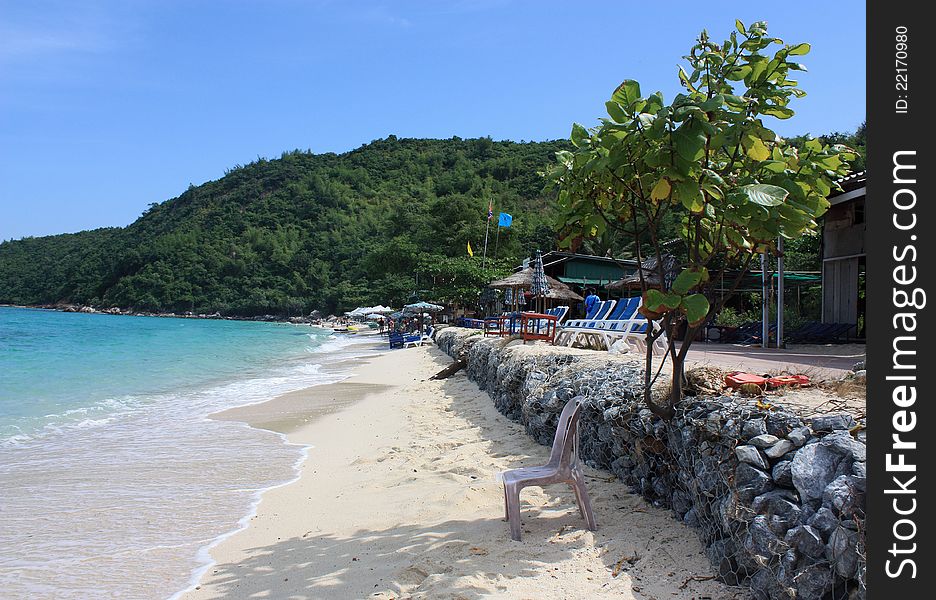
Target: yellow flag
{"x": 470, "y": 253}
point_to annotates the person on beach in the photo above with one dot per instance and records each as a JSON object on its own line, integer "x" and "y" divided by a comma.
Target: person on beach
{"x": 591, "y": 300}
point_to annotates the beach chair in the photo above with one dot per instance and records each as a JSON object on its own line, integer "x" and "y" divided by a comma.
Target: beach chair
{"x": 570, "y": 332}
{"x": 619, "y": 323}
{"x": 628, "y": 324}
{"x": 635, "y": 334}
{"x": 506, "y": 324}
{"x": 755, "y": 334}
{"x": 396, "y": 340}
{"x": 620, "y": 315}
{"x": 743, "y": 332}
{"x": 563, "y": 467}
{"x": 602, "y": 310}
{"x": 803, "y": 332}
{"x": 411, "y": 340}
{"x": 824, "y": 333}
{"x": 560, "y": 312}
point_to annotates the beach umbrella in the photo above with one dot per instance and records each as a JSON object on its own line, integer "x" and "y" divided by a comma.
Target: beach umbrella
{"x": 358, "y": 312}
{"x": 423, "y": 307}
{"x": 381, "y": 309}
{"x": 539, "y": 286}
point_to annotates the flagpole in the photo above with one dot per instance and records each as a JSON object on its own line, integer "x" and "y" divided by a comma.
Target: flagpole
{"x": 496, "y": 240}
{"x": 487, "y": 228}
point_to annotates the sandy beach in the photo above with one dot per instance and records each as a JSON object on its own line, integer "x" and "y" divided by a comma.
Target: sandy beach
{"x": 398, "y": 499}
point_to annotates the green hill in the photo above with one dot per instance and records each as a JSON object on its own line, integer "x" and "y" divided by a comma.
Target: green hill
{"x": 326, "y": 231}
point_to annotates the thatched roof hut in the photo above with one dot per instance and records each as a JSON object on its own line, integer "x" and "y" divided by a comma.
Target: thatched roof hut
{"x": 523, "y": 279}
{"x": 651, "y": 274}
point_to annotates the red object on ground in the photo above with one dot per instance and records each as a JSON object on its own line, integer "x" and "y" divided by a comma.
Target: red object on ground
{"x": 739, "y": 378}
{"x": 782, "y": 380}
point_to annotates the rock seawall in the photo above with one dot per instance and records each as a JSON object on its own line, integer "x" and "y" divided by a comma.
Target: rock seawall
{"x": 778, "y": 503}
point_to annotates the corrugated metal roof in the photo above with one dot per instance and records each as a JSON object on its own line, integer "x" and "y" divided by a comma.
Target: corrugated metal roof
{"x": 850, "y": 182}
{"x": 583, "y": 280}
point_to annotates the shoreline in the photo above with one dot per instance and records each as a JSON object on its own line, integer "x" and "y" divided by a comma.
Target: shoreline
{"x": 281, "y": 415}
{"x": 122, "y": 312}
{"x": 396, "y": 498}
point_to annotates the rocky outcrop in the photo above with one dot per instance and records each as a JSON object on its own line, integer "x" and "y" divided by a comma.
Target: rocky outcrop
{"x": 778, "y": 503}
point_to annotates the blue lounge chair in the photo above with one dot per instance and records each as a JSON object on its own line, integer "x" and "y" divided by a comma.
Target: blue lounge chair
{"x": 633, "y": 330}
{"x": 617, "y": 318}
{"x": 624, "y": 323}
{"x": 560, "y": 312}
{"x": 570, "y": 332}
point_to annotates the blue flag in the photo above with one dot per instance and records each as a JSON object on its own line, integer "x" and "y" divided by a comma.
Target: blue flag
{"x": 505, "y": 220}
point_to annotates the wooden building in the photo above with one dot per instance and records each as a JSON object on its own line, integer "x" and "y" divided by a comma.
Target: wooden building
{"x": 585, "y": 270}
{"x": 843, "y": 254}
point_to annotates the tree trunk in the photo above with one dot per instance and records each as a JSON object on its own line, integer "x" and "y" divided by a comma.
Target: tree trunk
{"x": 450, "y": 370}
{"x": 667, "y": 410}
{"x": 676, "y": 389}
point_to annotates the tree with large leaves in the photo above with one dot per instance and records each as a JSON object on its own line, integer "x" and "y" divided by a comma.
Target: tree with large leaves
{"x": 707, "y": 160}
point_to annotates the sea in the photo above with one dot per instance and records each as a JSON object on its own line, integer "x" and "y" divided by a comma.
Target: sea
{"x": 114, "y": 480}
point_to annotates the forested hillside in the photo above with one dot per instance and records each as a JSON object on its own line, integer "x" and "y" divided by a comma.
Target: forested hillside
{"x": 303, "y": 231}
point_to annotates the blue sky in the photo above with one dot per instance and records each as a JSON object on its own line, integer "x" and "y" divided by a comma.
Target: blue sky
{"x": 106, "y": 107}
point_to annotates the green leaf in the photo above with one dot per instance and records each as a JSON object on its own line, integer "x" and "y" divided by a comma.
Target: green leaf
{"x": 758, "y": 68}
{"x": 689, "y": 145}
{"x": 696, "y": 308}
{"x": 814, "y": 145}
{"x": 713, "y": 103}
{"x": 736, "y": 101}
{"x": 579, "y": 135}
{"x": 740, "y": 26}
{"x": 626, "y": 93}
{"x": 781, "y": 112}
{"x": 757, "y": 150}
{"x": 661, "y": 190}
{"x": 616, "y": 112}
{"x": 765, "y": 194}
{"x": 684, "y": 78}
{"x": 774, "y": 166}
{"x": 738, "y": 73}
{"x": 800, "y": 49}
{"x": 690, "y": 196}
{"x": 714, "y": 190}
{"x": 686, "y": 280}
{"x": 661, "y": 302}
{"x": 830, "y": 162}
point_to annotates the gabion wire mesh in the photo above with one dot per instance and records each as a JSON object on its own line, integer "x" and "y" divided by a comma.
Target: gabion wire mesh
{"x": 779, "y": 505}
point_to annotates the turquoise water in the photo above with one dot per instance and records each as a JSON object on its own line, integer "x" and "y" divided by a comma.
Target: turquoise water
{"x": 114, "y": 479}
{"x": 59, "y": 368}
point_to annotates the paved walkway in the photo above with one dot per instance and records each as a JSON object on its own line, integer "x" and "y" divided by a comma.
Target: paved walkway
{"x": 824, "y": 362}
